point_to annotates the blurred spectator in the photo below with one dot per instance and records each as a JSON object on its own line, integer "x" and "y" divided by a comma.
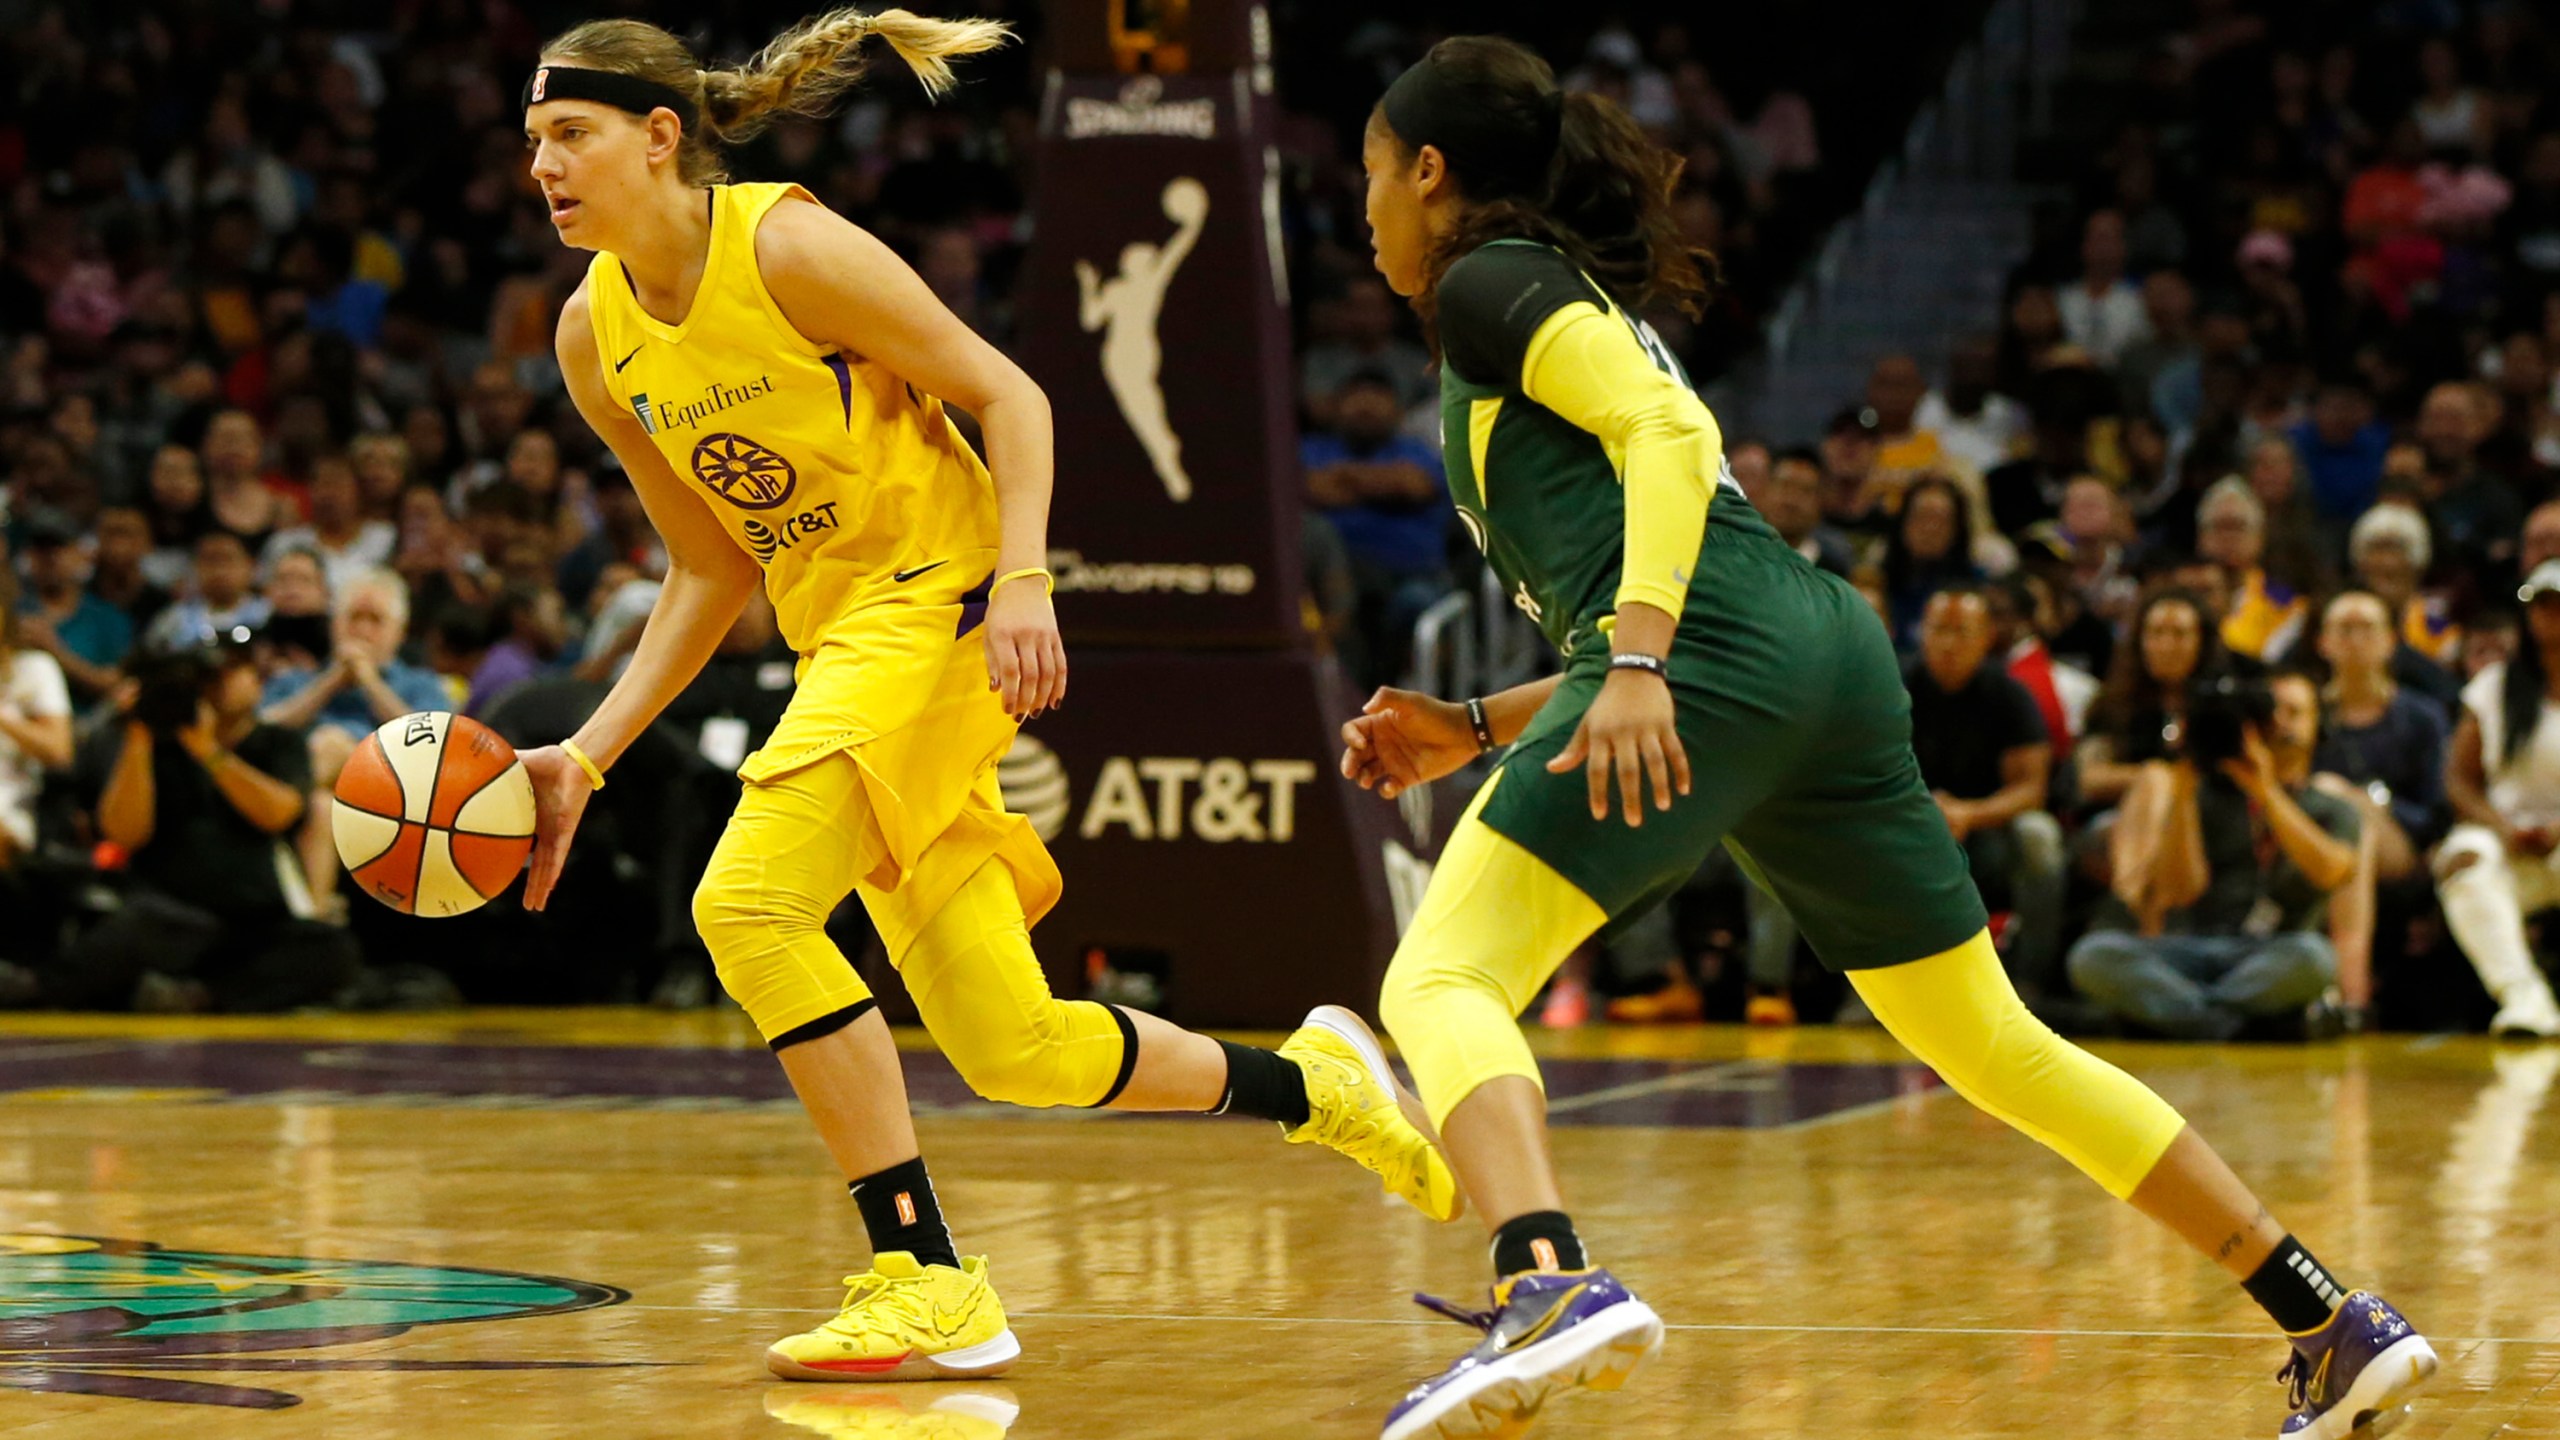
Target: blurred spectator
{"x": 220, "y": 601}
{"x": 1362, "y": 341}
{"x": 346, "y": 541}
{"x": 2384, "y": 745}
{"x": 1384, "y": 493}
{"x": 2142, "y": 710}
{"x": 2204, "y": 853}
{"x": 2474, "y": 511}
{"x": 83, "y": 634}
{"x": 2265, "y": 614}
{"x": 1986, "y": 757}
{"x": 1851, "y": 500}
{"x": 362, "y": 686}
{"x": 2101, "y": 311}
{"x": 2388, "y": 550}
{"x": 2504, "y": 783}
{"x": 200, "y": 793}
{"x": 120, "y": 570}
{"x": 174, "y": 507}
{"x": 622, "y": 536}
{"x": 2342, "y": 447}
{"x": 381, "y": 462}
{"x": 239, "y": 495}
{"x": 35, "y": 727}
{"x": 435, "y": 557}
{"x": 1931, "y": 549}
{"x": 297, "y": 631}
{"x": 2169, "y": 313}
{"x": 1789, "y": 497}
{"x": 2020, "y": 605}
{"x": 1974, "y": 423}
{"x": 531, "y": 626}
{"x": 2450, "y": 115}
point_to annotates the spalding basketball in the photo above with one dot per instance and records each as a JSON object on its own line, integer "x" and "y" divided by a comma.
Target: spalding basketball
{"x": 434, "y": 814}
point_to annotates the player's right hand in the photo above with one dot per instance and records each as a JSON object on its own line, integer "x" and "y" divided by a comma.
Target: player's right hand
{"x": 1401, "y": 739}
{"x": 560, "y": 792}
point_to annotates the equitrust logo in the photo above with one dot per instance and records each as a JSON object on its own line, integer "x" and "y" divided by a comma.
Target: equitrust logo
{"x": 690, "y": 413}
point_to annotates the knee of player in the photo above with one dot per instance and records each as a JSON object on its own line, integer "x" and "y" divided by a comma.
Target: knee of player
{"x": 1021, "y": 1067}
{"x": 733, "y": 906}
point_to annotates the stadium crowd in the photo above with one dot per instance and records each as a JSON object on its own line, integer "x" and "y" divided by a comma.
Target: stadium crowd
{"x": 2229, "y": 562}
{"x": 2212, "y": 554}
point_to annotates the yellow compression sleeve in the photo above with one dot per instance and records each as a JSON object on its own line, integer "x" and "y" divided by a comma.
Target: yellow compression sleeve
{"x": 1588, "y": 366}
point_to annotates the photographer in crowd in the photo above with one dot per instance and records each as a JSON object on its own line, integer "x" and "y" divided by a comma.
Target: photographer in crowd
{"x": 2224, "y": 861}
{"x": 200, "y": 794}
{"x": 2504, "y": 781}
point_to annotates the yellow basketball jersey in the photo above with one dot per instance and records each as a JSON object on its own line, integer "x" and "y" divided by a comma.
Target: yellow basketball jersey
{"x": 844, "y": 482}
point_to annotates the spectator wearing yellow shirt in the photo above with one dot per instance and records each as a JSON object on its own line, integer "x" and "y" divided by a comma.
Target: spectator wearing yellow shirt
{"x": 2265, "y": 617}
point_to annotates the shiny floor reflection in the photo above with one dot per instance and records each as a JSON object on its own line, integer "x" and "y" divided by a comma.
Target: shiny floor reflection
{"x": 460, "y": 1226}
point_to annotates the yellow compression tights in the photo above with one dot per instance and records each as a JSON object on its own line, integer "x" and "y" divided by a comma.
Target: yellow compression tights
{"x": 1497, "y": 921}
{"x": 796, "y": 847}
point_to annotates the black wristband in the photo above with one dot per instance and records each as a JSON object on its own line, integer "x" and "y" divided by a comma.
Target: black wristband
{"x": 1638, "y": 660}
{"x": 1483, "y": 726}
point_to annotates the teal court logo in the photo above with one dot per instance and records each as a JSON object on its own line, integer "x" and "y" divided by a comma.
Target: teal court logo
{"x": 83, "y": 1316}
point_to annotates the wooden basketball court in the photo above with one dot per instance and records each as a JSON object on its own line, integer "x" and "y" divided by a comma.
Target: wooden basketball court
{"x": 590, "y": 1223}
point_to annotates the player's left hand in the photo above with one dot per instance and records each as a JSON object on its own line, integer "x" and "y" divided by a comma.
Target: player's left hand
{"x": 1629, "y": 732}
{"x": 1026, "y": 660}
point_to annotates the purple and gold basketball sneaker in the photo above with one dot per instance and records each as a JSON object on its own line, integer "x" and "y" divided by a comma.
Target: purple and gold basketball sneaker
{"x": 2352, "y": 1376}
{"x": 1547, "y": 1332}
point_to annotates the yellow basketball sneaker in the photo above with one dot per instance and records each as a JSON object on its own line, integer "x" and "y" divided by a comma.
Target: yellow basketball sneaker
{"x": 905, "y": 1321}
{"x": 1354, "y": 1105}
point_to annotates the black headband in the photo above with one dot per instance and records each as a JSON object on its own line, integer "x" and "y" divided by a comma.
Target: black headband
{"x": 606, "y": 87}
{"x": 1494, "y": 155}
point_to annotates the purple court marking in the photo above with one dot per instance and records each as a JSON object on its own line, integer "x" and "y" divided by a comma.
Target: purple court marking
{"x": 1698, "y": 1095}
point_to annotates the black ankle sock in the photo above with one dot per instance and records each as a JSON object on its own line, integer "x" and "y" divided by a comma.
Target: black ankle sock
{"x": 899, "y": 1210}
{"x": 2294, "y": 1289}
{"x": 1265, "y": 1085}
{"x": 1539, "y": 1240}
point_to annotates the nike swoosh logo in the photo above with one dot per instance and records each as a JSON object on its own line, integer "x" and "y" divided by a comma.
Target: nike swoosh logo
{"x": 627, "y": 359}
{"x": 903, "y": 576}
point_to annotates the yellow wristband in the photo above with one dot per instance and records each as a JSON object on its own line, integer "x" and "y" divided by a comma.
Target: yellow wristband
{"x": 1048, "y": 582}
{"x": 595, "y": 777}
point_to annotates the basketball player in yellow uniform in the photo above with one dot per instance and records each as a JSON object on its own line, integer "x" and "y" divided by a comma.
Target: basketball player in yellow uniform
{"x": 774, "y": 378}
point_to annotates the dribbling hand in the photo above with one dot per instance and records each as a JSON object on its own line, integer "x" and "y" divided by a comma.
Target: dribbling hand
{"x": 1026, "y": 660}
{"x": 1402, "y": 739}
{"x": 560, "y": 792}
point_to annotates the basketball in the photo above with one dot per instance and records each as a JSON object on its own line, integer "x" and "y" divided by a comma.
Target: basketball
{"x": 434, "y": 814}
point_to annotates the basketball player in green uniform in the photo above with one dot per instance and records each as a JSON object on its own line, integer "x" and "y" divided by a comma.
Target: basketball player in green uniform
{"x": 1716, "y": 688}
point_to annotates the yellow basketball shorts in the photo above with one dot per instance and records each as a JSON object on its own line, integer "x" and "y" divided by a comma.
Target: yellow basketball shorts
{"x": 913, "y": 823}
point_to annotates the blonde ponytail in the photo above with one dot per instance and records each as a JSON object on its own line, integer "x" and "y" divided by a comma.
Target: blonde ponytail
{"x": 800, "y": 73}
{"x": 808, "y": 66}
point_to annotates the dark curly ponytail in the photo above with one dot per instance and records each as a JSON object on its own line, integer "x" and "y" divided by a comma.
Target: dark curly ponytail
{"x": 1603, "y": 195}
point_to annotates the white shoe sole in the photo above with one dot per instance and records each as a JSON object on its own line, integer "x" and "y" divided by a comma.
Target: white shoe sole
{"x": 1355, "y": 1032}
{"x": 1502, "y": 1399}
{"x": 2375, "y": 1405}
{"x": 992, "y": 1357}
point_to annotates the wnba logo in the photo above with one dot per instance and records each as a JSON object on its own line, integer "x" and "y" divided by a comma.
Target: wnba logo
{"x": 1034, "y": 783}
{"x": 743, "y": 472}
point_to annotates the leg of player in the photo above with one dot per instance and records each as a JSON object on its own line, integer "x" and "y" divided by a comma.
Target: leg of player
{"x": 1494, "y": 924}
{"x": 2354, "y": 1358}
{"x": 788, "y": 858}
{"x": 979, "y": 988}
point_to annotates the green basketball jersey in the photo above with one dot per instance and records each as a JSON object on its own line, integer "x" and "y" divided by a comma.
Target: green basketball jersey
{"x": 1541, "y": 496}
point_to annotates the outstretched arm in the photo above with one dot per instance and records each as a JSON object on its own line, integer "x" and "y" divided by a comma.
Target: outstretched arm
{"x": 708, "y": 580}
{"x": 838, "y": 285}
